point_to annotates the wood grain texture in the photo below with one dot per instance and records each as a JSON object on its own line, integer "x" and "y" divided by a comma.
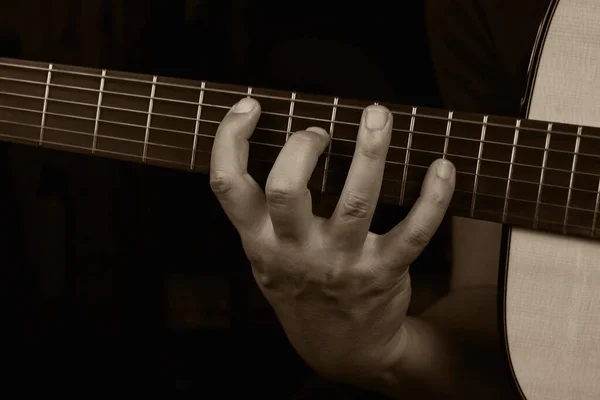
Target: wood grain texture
{"x": 553, "y": 316}
{"x": 553, "y": 283}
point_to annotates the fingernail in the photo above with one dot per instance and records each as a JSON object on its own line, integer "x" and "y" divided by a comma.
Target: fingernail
{"x": 245, "y": 105}
{"x": 445, "y": 169}
{"x": 318, "y": 130}
{"x": 376, "y": 118}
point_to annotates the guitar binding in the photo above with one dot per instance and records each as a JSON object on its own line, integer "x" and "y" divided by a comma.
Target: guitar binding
{"x": 532, "y": 69}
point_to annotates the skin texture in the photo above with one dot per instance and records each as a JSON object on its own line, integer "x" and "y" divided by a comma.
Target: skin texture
{"x": 340, "y": 291}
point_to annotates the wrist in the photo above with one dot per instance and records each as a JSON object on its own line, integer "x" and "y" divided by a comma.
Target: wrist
{"x": 417, "y": 359}
{"x": 376, "y": 370}
{"x": 435, "y": 362}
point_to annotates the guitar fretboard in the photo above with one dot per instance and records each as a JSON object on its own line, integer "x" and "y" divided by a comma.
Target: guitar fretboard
{"x": 534, "y": 174}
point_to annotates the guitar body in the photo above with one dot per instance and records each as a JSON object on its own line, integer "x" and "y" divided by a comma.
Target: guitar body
{"x": 551, "y": 288}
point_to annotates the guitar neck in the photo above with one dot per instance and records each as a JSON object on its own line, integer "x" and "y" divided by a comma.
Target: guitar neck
{"x": 533, "y": 174}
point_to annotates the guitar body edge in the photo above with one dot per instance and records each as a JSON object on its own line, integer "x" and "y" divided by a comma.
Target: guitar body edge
{"x": 549, "y": 285}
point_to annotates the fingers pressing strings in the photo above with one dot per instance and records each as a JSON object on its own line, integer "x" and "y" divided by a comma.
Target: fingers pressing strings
{"x": 351, "y": 220}
{"x": 403, "y": 244}
{"x": 287, "y": 204}
{"x": 288, "y": 198}
{"x": 238, "y": 193}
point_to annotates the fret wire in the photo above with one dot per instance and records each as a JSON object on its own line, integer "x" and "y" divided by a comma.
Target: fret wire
{"x": 411, "y": 128}
{"x": 596, "y": 210}
{"x": 185, "y": 164}
{"x": 249, "y": 91}
{"x": 212, "y": 90}
{"x": 97, "y": 122}
{"x": 169, "y": 84}
{"x": 197, "y": 126}
{"x": 46, "y": 96}
{"x": 334, "y": 154}
{"x": 478, "y": 167}
{"x": 510, "y": 169}
{"x": 208, "y": 151}
{"x": 570, "y": 192}
{"x": 328, "y": 155}
{"x": 275, "y": 114}
{"x": 431, "y": 117}
{"x": 290, "y": 118}
{"x": 174, "y": 85}
{"x": 512, "y": 163}
{"x": 73, "y": 146}
{"x": 448, "y": 128}
{"x": 108, "y": 137}
{"x": 351, "y": 141}
{"x": 542, "y": 175}
{"x": 149, "y": 119}
{"x": 298, "y": 117}
{"x": 335, "y": 139}
{"x": 513, "y": 148}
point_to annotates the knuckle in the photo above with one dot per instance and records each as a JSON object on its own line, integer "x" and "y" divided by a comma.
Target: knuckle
{"x": 418, "y": 237}
{"x": 259, "y": 257}
{"x": 437, "y": 199}
{"x": 371, "y": 151}
{"x": 281, "y": 193}
{"x": 356, "y": 206}
{"x": 257, "y": 247}
{"x": 221, "y": 182}
{"x": 372, "y": 146}
{"x": 254, "y": 255}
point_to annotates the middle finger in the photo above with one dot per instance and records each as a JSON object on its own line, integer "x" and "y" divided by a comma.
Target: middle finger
{"x": 350, "y": 222}
{"x": 288, "y": 197}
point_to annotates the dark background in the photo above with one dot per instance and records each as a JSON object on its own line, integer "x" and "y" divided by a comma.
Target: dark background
{"x": 126, "y": 276}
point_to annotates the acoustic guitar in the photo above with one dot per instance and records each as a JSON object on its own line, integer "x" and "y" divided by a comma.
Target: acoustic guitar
{"x": 538, "y": 176}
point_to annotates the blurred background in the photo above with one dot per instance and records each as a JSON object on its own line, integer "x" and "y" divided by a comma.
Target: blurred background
{"x": 119, "y": 275}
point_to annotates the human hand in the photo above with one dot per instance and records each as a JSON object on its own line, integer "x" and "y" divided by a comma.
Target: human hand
{"x": 340, "y": 291}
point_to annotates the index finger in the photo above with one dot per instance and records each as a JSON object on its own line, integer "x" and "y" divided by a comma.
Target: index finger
{"x": 238, "y": 193}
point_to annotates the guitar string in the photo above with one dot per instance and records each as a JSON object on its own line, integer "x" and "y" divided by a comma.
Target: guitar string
{"x": 288, "y": 117}
{"x": 185, "y": 165}
{"x": 296, "y": 100}
{"x": 187, "y": 150}
{"x": 322, "y": 120}
{"x": 462, "y": 156}
{"x": 546, "y": 168}
{"x": 244, "y": 94}
{"x": 276, "y": 98}
{"x": 299, "y": 100}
